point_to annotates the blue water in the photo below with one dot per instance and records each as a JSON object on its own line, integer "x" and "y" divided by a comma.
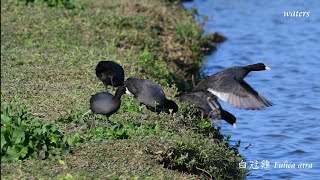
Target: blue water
{"x": 257, "y": 31}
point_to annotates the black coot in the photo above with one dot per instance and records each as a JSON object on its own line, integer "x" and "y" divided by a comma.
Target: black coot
{"x": 208, "y": 106}
{"x": 106, "y": 103}
{"x": 150, "y": 94}
{"x": 229, "y": 86}
{"x": 110, "y": 73}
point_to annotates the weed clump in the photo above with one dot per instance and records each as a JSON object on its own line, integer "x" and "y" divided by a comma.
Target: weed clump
{"x": 212, "y": 159}
{"x": 23, "y": 137}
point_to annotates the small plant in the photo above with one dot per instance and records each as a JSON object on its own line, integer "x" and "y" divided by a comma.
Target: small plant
{"x": 23, "y": 137}
{"x": 74, "y": 116}
{"x": 113, "y": 132}
{"x": 185, "y": 32}
{"x": 200, "y": 125}
{"x": 136, "y": 21}
{"x": 123, "y": 130}
{"x": 149, "y": 63}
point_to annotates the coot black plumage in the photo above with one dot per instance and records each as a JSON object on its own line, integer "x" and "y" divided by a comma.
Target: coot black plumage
{"x": 229, "y": 86}
{"x": 110, "y": 73}
{"x": 208, "y": 105}
{"x": 150, "y": 94}
{"x": 106, "y": 103}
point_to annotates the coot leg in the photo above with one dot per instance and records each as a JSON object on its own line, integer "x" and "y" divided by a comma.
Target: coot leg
{"x": 215, "y": 112}
{"x": 107, "y": 124}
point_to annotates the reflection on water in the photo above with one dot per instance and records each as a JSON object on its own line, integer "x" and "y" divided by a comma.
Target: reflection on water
{"x": 258, "y": 32}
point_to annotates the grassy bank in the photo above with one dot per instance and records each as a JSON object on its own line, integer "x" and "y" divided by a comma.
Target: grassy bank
{"x": 48, "y": 56}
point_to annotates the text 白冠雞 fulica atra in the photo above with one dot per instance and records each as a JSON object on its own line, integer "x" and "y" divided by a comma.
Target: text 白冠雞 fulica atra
{"x": 229, "y": 86}
{"x": 150, "y": 94}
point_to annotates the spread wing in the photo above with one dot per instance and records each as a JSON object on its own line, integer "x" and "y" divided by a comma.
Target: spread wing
{"x": 238, "y": 93}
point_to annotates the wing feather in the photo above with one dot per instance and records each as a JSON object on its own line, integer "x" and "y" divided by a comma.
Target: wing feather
{"x": 239, "y": 94}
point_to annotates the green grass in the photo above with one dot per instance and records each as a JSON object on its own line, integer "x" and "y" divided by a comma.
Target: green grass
{"x": 68, "y": 4}
{"x": 48, "y": 57}
{"x": 23, "y": 136}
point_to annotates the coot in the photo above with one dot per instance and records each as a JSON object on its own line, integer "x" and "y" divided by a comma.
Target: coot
{"x": 106, "y": 103}
{"x": 150, "y": 94}
{"x": 208, "y": 105}
{"x": 110, "y": 73}
{"x": 229, "y": 86}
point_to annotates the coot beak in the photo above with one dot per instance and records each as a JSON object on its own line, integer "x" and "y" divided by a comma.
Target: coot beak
{"x": 234, "y": 125}
{"x": 127, "y": 91}
{"x": 268, "y": 68}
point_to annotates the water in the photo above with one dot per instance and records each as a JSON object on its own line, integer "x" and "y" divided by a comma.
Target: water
{"x": 257, "y": 31}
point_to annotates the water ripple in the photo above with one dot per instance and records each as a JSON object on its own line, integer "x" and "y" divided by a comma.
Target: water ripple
{"x": 277, "y": 136}
{"x": 299, "y": 151}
